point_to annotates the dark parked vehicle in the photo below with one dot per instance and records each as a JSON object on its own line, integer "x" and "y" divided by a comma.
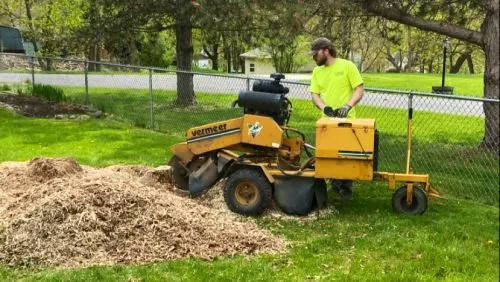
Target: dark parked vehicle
{"x": 11, "y": 40}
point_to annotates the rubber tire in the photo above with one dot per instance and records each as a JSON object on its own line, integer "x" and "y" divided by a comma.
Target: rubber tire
{"x": 179, "y": 181}
{"x": 419, "y": 203}
{"x": 259, "y": 180}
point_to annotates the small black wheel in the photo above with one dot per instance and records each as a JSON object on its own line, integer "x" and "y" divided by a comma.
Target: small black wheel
{"x": 247, "y": 192}
{"x": 418, "y": 205}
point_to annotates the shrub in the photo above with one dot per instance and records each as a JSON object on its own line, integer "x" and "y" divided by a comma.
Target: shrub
{"x": 48, "y": 92}
{"x": 5, "y": 87}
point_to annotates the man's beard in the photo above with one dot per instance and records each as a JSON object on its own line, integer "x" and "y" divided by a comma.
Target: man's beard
{"x": 321, "y": 62}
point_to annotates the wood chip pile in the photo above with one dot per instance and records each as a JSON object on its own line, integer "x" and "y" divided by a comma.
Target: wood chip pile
{"x": 53, "y": 212}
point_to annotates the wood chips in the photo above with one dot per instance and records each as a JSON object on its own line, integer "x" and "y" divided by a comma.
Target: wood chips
{"x": 54, "y": 212}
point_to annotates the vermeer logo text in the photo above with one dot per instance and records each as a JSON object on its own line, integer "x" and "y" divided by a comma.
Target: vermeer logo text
{"x": 208, "y": 130}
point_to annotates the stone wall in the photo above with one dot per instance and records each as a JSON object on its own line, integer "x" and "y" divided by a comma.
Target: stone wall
{"x": 12, "y": 62}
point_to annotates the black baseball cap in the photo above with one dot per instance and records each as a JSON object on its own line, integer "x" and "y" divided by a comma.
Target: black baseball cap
{"x": 318, "y": 44}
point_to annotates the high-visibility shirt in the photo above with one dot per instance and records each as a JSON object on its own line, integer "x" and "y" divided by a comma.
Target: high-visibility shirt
{"x": 335, "y": 83}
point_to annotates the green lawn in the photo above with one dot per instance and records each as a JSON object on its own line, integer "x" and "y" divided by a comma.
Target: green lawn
{"x": 94, "y": 142}
{"x": 456, "y": 240}
{"x": 463, "y": 84}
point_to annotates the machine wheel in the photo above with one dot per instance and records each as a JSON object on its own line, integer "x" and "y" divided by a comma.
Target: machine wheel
{"x": 419, "y": 202}
{"x": 180, "y": 173}
{"x": 247, "y": 192}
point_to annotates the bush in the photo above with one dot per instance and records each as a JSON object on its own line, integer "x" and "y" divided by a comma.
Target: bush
{"x": 48, "y": 92}
{"x": 5, "y": 87}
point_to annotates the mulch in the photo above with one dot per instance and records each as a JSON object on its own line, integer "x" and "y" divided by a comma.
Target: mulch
{"x": 56, "y": 213}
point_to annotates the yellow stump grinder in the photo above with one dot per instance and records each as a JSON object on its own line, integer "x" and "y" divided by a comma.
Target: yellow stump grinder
{"x": 264, "y": 159}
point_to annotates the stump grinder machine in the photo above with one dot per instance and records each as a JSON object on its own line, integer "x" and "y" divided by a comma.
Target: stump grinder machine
{"x": 262, "y": 159}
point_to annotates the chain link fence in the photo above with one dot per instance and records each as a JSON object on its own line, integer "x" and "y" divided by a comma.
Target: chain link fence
{"x": 452, "y": 135}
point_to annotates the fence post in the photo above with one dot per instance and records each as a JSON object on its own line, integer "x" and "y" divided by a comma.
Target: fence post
{"x": 248, "y": 83}
{"x": 409, "y": 132}
{"x": 151, "y": 104}
{"x": 32, "y": 70}
{"x": 87, "y": 100}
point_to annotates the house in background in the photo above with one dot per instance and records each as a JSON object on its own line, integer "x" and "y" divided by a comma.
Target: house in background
{"x": 202, "y": 61}
{"x": 258, "y": 62}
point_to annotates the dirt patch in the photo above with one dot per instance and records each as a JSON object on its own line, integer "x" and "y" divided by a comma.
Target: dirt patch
{"x": 31, "y": 106}
{"x": 54, "y": 212}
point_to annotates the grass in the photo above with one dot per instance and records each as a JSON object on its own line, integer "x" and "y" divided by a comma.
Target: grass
{"x": 133, "y": 106}
{"x": 48, "y": 92}
{"x": 463, "y": 84}
{"x": 454, "y": 241}
{"x": 23, "y": 139}
{"x": 5, "y": 87}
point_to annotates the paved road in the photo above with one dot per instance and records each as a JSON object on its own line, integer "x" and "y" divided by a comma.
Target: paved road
{"x": 217, "y": 84}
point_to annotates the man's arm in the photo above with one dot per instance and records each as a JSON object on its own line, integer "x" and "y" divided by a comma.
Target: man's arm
{"x": 357, "y": 95}
{"x": 327, "y": 110}
{"x": 317, "y": 101}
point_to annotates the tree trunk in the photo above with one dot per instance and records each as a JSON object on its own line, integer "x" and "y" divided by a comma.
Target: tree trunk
{"x": 184, "y": 54}
{"x": 214, "y": 56}
{"x": 490, "y": 30}
{"x": 132, "y": 53}
{"x": 392, "y": 60}
{"x": 421, "y": 68}
{"x": 400, "y": 64}
{"x": 238, "y": 62}
{"x": 27, "y": 5}
{"x": 235, "y": 57}
{"x": 242, "y": 63}
{"x": 460, "y": 61}
{"x": 94, "y": 54}
{"x": 411, "y": 55}
{"x": 450, "y": 64}
{"x": 227, "y": 55}
{"x": 215, "y": 64}
{"x": 470, "y": 64}
{"x": 49, "y": 65}
{"x": 345, "y": 37}
{"x": 226, "y": 52}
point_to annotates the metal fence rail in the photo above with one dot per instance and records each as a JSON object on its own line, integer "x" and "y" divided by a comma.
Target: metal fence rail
{"x": 447, "y": 136}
